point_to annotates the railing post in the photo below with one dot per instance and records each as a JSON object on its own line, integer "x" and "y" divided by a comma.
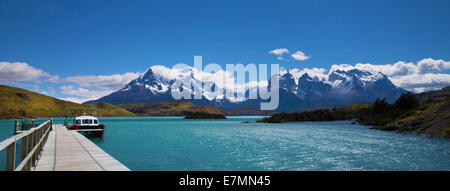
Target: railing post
{"x": 11, "y": 157}
{"x": 16, "y": 127}
{"x": 24, "y": 151}
{"x": 33, "y": 143}
{"x": 28, "y": 166}
{"x": 30, "y": 144}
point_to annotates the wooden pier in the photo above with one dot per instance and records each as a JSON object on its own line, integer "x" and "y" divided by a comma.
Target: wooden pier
{"x": 52, "y": 147}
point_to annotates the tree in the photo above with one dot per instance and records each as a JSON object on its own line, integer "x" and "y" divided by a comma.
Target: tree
{"x": 380, "y": 106}
{"x": 407, "y": 101}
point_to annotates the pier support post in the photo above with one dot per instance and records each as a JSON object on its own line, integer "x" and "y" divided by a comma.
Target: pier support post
{"x": 35, "y": 141}
{"x": 28, "y": 150}
{"x": 11, "y": 157}
{"x": 16, "y": 127}
{"x": 24, "y": 151}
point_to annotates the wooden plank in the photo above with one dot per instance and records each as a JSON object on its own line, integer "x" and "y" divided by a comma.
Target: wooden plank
{"x": 87, "y": 130}
{"x": 70, "y": 151}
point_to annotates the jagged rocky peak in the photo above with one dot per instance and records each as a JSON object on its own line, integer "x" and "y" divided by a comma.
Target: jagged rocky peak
{"x": 337, "y": 75}
{"x": 149, "y": 81}
{"x": 147, "y": 78}
{"x": 287, "y": 82}
{"x": 354, "y": 74}
{"x": 147, "y": 75}
{"x": 308, "y": 86}
{"x": 305, "y": 76}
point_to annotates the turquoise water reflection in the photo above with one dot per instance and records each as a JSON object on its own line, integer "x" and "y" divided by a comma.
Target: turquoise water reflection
{"x": 173, "y": 143}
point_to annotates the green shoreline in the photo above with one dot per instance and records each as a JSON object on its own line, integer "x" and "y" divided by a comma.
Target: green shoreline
{"x": 427, "y": 114}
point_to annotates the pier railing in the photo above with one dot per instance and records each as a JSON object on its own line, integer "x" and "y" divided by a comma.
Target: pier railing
{"x": 27, "y": 124}
{"x": 33, "y": 141}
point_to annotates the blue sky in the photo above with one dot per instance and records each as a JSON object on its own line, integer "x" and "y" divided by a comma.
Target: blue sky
{"x": 105, "y": 38}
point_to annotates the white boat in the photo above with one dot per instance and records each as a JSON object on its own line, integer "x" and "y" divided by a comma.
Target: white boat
{"x": 87, "y": 123}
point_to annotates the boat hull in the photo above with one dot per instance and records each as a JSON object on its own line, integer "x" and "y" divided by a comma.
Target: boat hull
{"x": 97, "y": 130}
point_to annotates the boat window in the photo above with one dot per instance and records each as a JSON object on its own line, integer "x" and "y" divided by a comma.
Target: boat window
{"x": 87, "y": 121}
{"x": 78, "y": 121}
{"x": 95, "y": 121}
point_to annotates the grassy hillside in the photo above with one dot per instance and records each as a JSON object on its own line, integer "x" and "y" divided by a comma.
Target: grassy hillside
{"x": 168, "y": 108}
{"x": 109, "y": 110}
{"x": 431, "y": 118}
{"x": 434, "y": 96}
{"x": 17, "y": 103}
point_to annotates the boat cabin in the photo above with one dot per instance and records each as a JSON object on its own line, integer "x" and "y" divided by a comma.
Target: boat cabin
{"x": 87, "y": 124}
{"x": 86, "y": 121}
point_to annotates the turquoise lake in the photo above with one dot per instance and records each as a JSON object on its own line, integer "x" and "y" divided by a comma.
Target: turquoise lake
{"x": 173, "y": 143}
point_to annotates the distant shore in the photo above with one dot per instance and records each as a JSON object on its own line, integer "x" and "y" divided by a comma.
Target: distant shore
{"x": 426, "y": 113}
{"x": 203, "y": 115}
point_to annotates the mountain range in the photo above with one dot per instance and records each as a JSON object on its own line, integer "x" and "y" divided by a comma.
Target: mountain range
{"x": 338, "y": 88}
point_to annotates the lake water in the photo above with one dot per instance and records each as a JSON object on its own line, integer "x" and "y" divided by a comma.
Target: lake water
{"x": 173, "y": 143}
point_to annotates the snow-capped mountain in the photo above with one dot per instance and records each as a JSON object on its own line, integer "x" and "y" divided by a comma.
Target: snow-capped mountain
{"x": 287, "y": 82}
{"x": 341, "y": 87}
{"x": 356, "y": 86}
{"x": 146, "y": 88}
{"x": 311, "y": 88}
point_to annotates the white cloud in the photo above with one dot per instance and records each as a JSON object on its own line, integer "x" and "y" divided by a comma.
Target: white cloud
{"x": 299, "y": 55}
{"x": 397, "y": 69}
{"x": 107, "y": 82}
{"x": 429, "y": 65}
{"x": 170, "y": 73}
{"x": 20, "y": 71}
{"x": 279, "y": 52}
{"x": 13, "y": 73}
{"x": 422, "y": 82}
{"x": 83, "y": 94}
{"x": 401, "y": 68}
{"x": 54, "y": 79}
